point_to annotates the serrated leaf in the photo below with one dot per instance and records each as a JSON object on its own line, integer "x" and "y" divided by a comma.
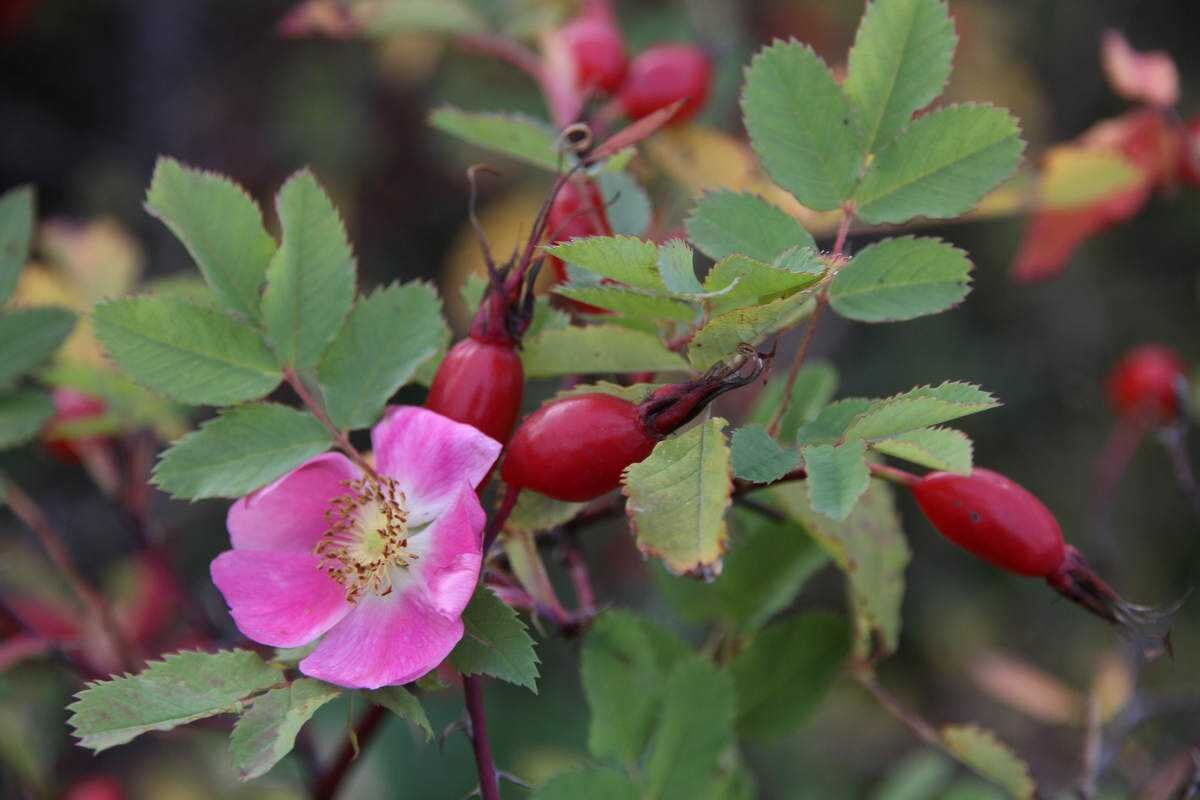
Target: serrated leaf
{"x": 596, "y": 348}
{"x": 388, "y": 335}
{"x": 786, "y": 669}
{"x": 677, "y": 499}
{"x": 629, "y": 301}
{"x": 921, "y": 776}
{"x": 28, "y": 336}
{"x": 239, "y": 451}
{"x": 624, "y": 667}
{"x": 899, "y": 63}
{"x": 310, "y": 280}
{"x": 725, "y": 222}
{"x": 514, "y": 135}
{"x": 590, "y": 783}
{"x": 901, "y": 279}
{"x": 182, "y": 688}
{"x": 16, "y": 233}
{"x": 404, "y": 704}
{"x": 720, "y": 337}
{"x": 801, "y": 126}
{"x": 829, "y": 426}
{"x": 677, "y": 267}
{"x": 626, "y": 204}
{"x": 869, "y": 547}
{"x": 758, "y": 458}
{"x": 694, "y": 729}
{"x": 980, "y": 750}
{"x": 1073, "y": 177}
{"x": 816, "y": 383}
{"x": 936, "y": 448}
{"x": 837, "y": 477}
{"x": 221, "y": 227}
{"x": 634, "y": 393}
{"x": 495, "y": 643}
{"x": 620, "y": 258}
{"x": 941, "y": 166}
{"x": 22, "y": 415}
{"x": 128, "y": 404}
{"x": 535, "y": 512}
{"x": 919, "y": 408}
{"x": 743, "y": 281}
{"x": 196, "y": 355}
{"x": 266, "y": 732}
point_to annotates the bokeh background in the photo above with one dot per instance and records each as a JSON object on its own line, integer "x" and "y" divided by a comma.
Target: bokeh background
{"x": 92, "y": 91}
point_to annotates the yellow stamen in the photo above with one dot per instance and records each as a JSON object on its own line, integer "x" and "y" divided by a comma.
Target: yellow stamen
{"x": 367, "y": 537}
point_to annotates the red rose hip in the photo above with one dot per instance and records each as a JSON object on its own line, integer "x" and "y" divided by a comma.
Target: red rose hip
{"x": 664, "y": 74}
{"x": 598, "y": 53}
{"x": 480, "y": 383}
{"x": 1145, "y": 383}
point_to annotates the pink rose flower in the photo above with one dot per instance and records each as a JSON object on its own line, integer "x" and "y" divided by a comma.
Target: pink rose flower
{"x": 379, "y": 567}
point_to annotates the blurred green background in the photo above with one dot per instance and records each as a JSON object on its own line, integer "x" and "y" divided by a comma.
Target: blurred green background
{"x": 92, "y": 91}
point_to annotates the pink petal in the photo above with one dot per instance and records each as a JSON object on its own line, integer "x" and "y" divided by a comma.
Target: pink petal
{"x": 385, "y": 641}
{"x": 450, "y": 551}
{"x": 1149, "y": 77}
{"x": 279, "y": 598}
{"x": 289, "y": 514}
{"x": 430, "y": 456}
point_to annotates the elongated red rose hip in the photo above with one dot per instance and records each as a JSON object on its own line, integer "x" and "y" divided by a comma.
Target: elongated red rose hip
{"x": 664, "y": 74}
{"x": 576, "y": 448}
{"x": 598, "y": 52}
{"x": 1003, "y": 523}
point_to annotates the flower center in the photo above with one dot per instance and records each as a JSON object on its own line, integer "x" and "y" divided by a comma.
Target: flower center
{"x": 367, "y": 537}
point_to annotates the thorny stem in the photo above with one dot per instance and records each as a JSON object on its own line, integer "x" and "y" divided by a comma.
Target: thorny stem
{"x": 839, "y": 244}
{"x": 330, "y": 782}
{"x": 489, "y": 781}
{"x": 30, "y": 513}
{"x": 315, "y": 407}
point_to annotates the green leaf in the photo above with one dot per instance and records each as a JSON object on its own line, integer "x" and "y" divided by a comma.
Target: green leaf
{"x": 495, "y": 643}
{"x": 629, "y": 301}
{"x": 626, "y": 204}
{"x": 128, "y": 404}
{"x": 899, "y": 63}
{"x": 596, "y": 348}
{"x": 677, "y": 499}
{"x": 624, "y": 668}
{"x": 535, "y": 512}
{"x": 695, "y": 727}
{"x": 767, "y": 565}
{"x": 182, "y": 688}
{"x": 837, "y": 477}
{"x": 829, "y": 426}
{"x": 919, "y": 408}
{"x": 221, "y": 227}
{"x": 720, "y": 337}
{"x": 815, "y": 385}
{"x": 786, "y": 670}
{"x": 196, "y": 355}
{"x": 677, "y": 267}
{"x": 514, "y": 135}
{"x": 869, "y": 547}
{"x": 725, "y": 222}
{"x": 244, "y": 448}
{"x": 266, "y": 732}
{"x": 431, "y": 16}
{"x": 921, "y": 776}
{"x": 936, "y": 448}
{"x": 310, "y": 281}
{"x": 28, "y": 336}
{"x": 403, "y": 704}
{"x": 22, "y": 415}
{"x": 621, "y": 258}
{"x": 941, "y": 166}
{"x": 589, "y": 783}
{"x": 16, "y": 233}
{"x": 801, "y": 126}
{"x": 980, "y": 750}
{"x": 751, "y": 283}
{"x": 388, "y": 335}
{"x": 901, "y": 279}
{"x": 634, "y": 393}
{"x": 759, "y": 458}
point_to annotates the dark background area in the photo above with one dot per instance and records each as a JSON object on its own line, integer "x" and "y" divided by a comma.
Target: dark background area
{"x": 92, "y": 91}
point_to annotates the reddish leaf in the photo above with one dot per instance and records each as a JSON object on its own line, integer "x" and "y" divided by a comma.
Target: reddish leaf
{"x": 636, "y": 132}
{"x": 1149, "y": 77}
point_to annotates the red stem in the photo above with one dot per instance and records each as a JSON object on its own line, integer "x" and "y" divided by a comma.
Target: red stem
{"x": 489, "y": 781}
{"x": 496, "y": 523}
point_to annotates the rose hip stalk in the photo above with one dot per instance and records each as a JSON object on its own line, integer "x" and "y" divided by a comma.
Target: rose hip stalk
{"x": 1001, "y": 522}
{"x": 480, "y": 380}
{"x": 576, "y": 448}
